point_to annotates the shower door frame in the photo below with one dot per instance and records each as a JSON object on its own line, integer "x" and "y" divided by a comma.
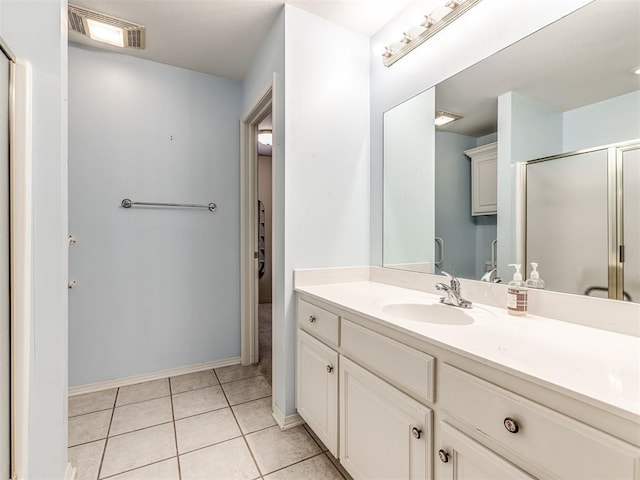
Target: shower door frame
{"x": 615, "y": 220}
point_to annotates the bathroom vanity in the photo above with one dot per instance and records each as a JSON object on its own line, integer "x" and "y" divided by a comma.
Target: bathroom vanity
{"x": 397, "y": 385}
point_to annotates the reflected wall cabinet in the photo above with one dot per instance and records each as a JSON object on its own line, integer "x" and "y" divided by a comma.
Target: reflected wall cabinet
{"x": 484, "y": 179}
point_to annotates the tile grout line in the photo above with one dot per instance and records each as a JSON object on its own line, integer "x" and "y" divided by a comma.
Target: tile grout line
{"x": 106, "y": 441}
{"x": 161, "y": 396}
{"x": 255, "y": 462}
{"x": 175, "y": 430}
{"x": 298, "y": 462}
{"x": 326, "y": 454}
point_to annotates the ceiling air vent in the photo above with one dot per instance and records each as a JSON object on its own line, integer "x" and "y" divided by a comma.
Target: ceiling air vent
{"x": 105, "y": 28}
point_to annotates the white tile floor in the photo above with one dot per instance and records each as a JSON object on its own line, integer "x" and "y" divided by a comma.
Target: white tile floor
{"x": 215, "y": 424}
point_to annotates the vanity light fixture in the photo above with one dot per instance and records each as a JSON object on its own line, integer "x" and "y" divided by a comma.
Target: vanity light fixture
{"x": 105, "y": 28}
{"x": 265, "y": 137}
{"x": 440, "y": 17}
{"x": 442, "y": 117}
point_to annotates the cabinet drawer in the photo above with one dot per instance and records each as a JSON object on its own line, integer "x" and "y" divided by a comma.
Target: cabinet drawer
{"x": 554, "y": 443}
{"x": 318, "y": 322}
{"x": 404, "y": 365}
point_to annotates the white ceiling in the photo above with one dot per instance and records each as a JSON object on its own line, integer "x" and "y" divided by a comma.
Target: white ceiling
{"x": 222, "y": 37}
{"x": 583, "y": 58}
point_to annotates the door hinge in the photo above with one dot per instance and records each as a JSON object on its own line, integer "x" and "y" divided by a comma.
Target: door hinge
{"x": 621, "y": 254}
{"x": 255, "y": 254}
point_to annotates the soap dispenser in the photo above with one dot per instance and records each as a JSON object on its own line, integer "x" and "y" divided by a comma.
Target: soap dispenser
{"x": 535, "y": 281}
{"x": 516, "y": 293}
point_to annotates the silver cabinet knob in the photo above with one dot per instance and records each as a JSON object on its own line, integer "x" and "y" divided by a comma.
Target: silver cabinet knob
{"x": 511, "y": 425}
{"x": 329, "y": 368}
{"x": 444, "y": 456}
{"x": 416, "y": 432}
{"x": 312, "y": 318}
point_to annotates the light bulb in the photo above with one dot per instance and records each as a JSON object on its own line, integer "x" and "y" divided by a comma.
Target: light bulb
{"x": 379, "y": 49}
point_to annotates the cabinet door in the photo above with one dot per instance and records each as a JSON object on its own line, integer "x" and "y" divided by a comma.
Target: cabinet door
{"x": 317, "y": 389}
{"x": 384, "y": 434}
{"x": 462, "y": 458}
{"x": 485, "y": 185}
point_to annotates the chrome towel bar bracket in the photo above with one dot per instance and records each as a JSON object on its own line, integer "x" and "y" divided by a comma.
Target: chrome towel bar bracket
{"x": 126, "y": 203}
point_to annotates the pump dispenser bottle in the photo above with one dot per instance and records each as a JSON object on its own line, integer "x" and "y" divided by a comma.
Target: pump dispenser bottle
{"x": 516, "y": 293}
{"x": 535, "y": 281}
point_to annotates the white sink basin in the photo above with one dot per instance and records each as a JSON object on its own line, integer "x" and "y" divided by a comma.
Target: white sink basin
{"x": 436, "y": 313}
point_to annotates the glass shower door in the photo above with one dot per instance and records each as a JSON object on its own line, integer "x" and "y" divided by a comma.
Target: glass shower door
{"x": 567, "y": 222}
{"x": 630, "y": 160}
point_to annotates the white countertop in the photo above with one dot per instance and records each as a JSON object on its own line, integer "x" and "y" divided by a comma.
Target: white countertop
{"x": 598, "y": 366}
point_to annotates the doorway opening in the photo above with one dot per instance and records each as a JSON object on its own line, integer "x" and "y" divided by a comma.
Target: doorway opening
{"x": 257, "y": 217}
{"x": 265, "y": 265}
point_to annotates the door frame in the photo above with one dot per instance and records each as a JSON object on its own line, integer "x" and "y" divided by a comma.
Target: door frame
{"x": 20, "y": 255}
{"x": 21, "y": 260}
{"x": 248, "y": 222}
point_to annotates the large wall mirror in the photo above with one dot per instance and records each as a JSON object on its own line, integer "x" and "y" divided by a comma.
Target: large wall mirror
{"x": 558, "y": 112}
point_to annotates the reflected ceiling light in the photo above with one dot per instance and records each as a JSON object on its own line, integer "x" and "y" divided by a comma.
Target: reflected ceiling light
{"x": 441, "y": 16}
{"x": 636, "y": 70}
{"x": 265, "y": 137}
{"x": 442, "y": 117}
{"x": 105, "y": 28}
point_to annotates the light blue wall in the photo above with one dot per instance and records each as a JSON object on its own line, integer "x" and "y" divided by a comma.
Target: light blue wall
{"x": 327, "y": 158}
{"x": 613, "y": 120}
{"x": 156, "y": 288}
{"x": 518, "y": 117}
{"x": 454, "y": 223}
{"x": 321, "y": 188}
{"x": 42, "y": 39}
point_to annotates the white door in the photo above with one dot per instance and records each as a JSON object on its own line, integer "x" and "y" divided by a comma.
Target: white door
{"x": 384, "y": 434}
{"x": 462, "y": 458}
{"x": 317, "y": 389}
{"x": 5, "y": 293}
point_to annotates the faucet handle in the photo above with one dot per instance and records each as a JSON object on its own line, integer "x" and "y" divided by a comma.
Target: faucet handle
{"x": 455, "y": 284}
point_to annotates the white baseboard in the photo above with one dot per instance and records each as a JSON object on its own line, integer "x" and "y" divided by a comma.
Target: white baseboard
{"x": 70, "y": 474}
{"x": 147, "y": 377}
{"x": 286, "y": 422}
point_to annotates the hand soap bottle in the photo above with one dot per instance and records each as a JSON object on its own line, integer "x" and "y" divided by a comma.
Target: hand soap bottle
{"x": 516, "y": 293}
{"x": 535, "y": 281}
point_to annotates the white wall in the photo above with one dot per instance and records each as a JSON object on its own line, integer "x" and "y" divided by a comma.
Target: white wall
{"x": 327, "y": 160}
{"x": 485, "y": 29}
{"x": 157, "y": 288}
{"x": 409, "y": 190}
{"x": 42, "y": 39}
{"x": 613, "y": 120}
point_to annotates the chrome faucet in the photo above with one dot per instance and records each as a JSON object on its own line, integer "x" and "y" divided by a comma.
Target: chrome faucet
{"x": 452, "y": 291}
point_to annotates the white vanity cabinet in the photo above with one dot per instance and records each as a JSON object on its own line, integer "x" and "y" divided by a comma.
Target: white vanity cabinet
{"x": 462, "y": 458}
{"x": 552, "y": 443}
{"x": 390, "y": 410}
{"x": 317, "y": 373}
{"x": 384, "y": 434}
{"x": 484, "y": 179}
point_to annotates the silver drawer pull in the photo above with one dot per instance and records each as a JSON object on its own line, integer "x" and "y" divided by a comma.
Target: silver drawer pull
{"x": 329, "y": 368}
{"x": 312, "y": 318}
{"x": 511, "y": 425}
{"x": 416, "y": 432}
{"x": 444, "y": 456}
